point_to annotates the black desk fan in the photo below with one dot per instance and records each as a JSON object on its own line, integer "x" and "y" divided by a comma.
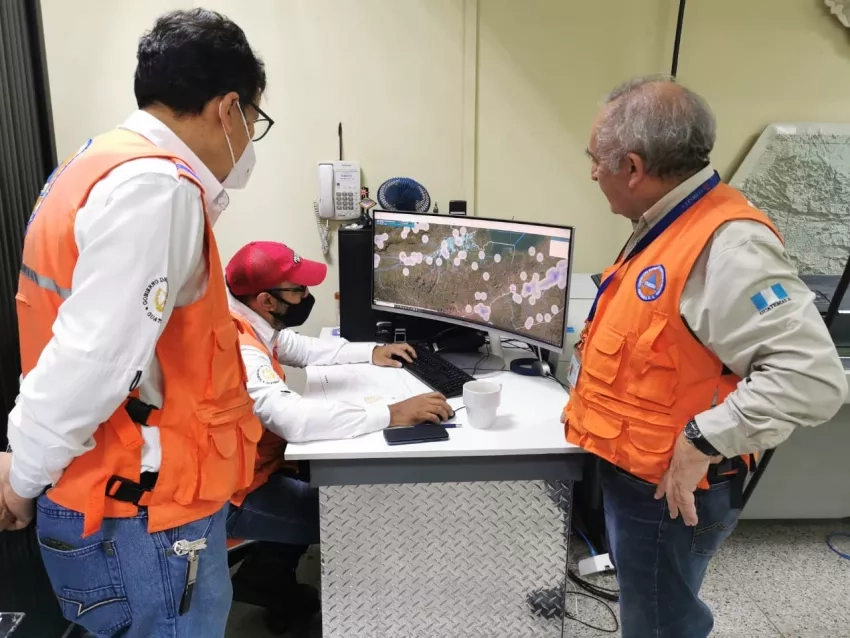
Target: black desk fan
{"x": 404, "y": 195}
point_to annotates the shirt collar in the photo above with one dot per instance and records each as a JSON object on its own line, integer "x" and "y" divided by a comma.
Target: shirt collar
{"x": 158, "y": 133}
{"x": 664, "y": 205}
{"x": 262, "y": 329}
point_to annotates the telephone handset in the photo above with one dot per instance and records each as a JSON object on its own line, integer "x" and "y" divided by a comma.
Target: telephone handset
{"x": 339, "y": 196}
{"x": 339, "y": 190}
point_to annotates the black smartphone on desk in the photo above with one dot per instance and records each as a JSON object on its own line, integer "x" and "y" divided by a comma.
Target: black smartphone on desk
{"x": 424, "y": 433}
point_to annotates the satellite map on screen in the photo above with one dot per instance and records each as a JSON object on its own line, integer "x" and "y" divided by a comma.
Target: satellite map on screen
{"x": 511, "y": 280}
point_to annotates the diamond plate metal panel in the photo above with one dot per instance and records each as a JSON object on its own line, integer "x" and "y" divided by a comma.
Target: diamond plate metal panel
{"x": 441, "y": 560}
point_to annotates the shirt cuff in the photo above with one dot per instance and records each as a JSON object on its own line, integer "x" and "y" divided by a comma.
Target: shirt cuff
{"x": 357, "y": 352}
{"x": 721, "y": 429}
{"x": 377, "y": 417}
{"x": 22, "y": 486}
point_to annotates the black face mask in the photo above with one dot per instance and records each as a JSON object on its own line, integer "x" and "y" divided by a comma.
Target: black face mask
{"x": 296, "y": 313}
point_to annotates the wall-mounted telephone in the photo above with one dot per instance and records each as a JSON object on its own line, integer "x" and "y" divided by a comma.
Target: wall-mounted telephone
{"x": 339, "y": 190}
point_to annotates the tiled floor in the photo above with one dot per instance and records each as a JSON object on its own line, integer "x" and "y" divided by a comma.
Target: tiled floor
{"x": 769, "y": 579}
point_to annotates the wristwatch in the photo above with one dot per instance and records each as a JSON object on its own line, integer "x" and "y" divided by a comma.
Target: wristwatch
{"x": 695, "y": 438}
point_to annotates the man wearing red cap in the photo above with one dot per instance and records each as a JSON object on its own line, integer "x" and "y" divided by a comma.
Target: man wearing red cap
{"x": 269, "y": 293}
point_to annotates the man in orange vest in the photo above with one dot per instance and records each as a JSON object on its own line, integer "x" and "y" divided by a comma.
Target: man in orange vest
{"x": 269, "y": 288}
{"x": 703, "y": 347}
{"x": 133, "y": 412}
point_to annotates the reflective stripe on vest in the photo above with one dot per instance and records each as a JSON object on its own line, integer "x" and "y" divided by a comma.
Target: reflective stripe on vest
{"x": 207, "y": 430}
{"x": 45, "y": 282}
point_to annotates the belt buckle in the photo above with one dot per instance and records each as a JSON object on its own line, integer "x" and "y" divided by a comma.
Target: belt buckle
{"x": 124, "y": 490}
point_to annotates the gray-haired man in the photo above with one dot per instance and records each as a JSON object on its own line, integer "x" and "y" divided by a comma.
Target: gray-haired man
{"x": 702, "y": 348}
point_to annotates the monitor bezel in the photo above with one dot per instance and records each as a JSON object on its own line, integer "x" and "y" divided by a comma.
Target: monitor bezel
{"x": 475, "y": 325}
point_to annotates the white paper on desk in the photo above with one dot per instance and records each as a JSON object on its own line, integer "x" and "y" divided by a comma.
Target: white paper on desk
{"x": 361, "y": 384}
{"x": 365, "y": 384}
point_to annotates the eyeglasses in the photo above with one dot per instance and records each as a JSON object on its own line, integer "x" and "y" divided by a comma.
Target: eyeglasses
{"x": 263, "y": 123}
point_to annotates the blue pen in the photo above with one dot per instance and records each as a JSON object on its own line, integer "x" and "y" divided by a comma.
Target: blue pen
{"x": 453, "y": 425}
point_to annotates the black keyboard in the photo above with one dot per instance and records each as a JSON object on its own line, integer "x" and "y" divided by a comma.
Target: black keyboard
{"x": 436, "y": 372}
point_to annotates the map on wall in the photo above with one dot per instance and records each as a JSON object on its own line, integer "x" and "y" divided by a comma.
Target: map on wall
{"x": 799, "y": 174}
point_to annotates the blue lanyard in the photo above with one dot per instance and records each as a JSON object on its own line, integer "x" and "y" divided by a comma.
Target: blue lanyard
{"x": 680, "y": 209}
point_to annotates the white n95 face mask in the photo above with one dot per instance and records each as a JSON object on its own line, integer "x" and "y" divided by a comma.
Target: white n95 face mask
{"x": 244, "y": 166}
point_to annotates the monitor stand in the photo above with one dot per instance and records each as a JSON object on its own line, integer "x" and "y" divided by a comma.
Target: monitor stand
{"x": 481, "y": 364}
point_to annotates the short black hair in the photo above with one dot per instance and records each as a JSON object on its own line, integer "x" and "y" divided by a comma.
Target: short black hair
{"x": 193, "y": 56}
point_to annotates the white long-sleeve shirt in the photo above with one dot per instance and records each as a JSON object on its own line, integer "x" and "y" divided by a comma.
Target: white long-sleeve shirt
{"x": 140, "y": 223}
{"x": 295, "y": 418}
{"x": 790, "y": 370}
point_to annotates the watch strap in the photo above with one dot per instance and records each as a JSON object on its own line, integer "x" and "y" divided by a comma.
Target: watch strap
{"x": 693, "y": 434}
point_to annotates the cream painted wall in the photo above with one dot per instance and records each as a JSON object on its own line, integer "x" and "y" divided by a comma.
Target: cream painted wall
{"x": 397, "y": 91}
{"x": 488, "y": 99}
{"x": 543, "y": 66}
{"x": 91, "y": 76}
{"x": 391, "y": 71}
{"x": 763, "y": 61}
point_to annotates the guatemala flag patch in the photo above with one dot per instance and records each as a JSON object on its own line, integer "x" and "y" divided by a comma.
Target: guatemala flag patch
{"x": 770, "y": 298}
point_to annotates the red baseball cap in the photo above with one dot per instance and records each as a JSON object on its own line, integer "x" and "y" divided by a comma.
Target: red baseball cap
{"x": 263, "y": 265}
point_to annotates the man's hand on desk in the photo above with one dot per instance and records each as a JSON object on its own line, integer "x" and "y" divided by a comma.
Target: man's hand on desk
{"x": 425, "y": 407}
{"x": 383, "y": 355}
{"x": 15, "y": 512}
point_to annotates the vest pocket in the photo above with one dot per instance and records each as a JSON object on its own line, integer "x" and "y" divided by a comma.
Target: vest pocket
{"x": 601, "y": 433}
{"x": 654, "y": 365}
{"x": 604, "y": 354}
{"x": 227, "y": 371}
{"x": 652, "y": 447}
{"x": 252, "y": 432}
{"x": 227, "y": 462}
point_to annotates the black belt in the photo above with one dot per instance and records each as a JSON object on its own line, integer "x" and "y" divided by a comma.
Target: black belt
{"x": 723, "y": 473}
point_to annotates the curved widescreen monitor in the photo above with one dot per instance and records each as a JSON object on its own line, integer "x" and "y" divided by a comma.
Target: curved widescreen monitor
{"x": 503, "y": 276}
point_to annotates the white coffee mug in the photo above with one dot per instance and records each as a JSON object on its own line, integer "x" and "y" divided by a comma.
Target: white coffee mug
{"x": 482, "y": 399}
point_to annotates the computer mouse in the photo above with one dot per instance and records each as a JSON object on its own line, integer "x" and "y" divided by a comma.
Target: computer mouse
{"x": 541, "y": 368}
{"x": 399, "y": 358}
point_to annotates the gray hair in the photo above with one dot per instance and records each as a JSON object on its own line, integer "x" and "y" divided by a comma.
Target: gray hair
{"x": 669, "y": 126}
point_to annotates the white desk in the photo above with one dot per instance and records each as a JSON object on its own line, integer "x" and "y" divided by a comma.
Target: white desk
{"x": 527, "y": 421}
{"x": 444, "y": 539}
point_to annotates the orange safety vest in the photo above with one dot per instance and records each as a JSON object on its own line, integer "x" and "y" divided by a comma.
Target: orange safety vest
{"x": 270, "y": 450}
{"x": 643, "y": 373}
{"x": 208, "y": 431}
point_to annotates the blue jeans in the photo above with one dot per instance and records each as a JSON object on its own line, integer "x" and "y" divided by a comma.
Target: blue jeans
{"x": 283, "y": 510}
{"x": 660, "y": 562}
{"x": 125, "y": 581}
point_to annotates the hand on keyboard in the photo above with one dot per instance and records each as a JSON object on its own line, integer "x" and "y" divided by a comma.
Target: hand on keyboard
{"x": 436, "y": 372}
{"x": 425, "y": 407}
{"x": 393, "y": 355}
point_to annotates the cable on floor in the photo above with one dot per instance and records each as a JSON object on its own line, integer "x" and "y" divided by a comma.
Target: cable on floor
{"x": 598, "y": 594}
{"x": 611, "y": 595}
{"x": 829, "y": 543}
{"x": 590, "y": 547}
{"x": 605, "y": 630}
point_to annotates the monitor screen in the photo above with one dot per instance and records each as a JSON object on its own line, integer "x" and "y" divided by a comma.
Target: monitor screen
{"x": 504, "y": 276}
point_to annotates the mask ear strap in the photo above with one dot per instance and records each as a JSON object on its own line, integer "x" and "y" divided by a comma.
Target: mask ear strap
{"x": 245, "y": 123}
{"x": 226, "y": 136}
